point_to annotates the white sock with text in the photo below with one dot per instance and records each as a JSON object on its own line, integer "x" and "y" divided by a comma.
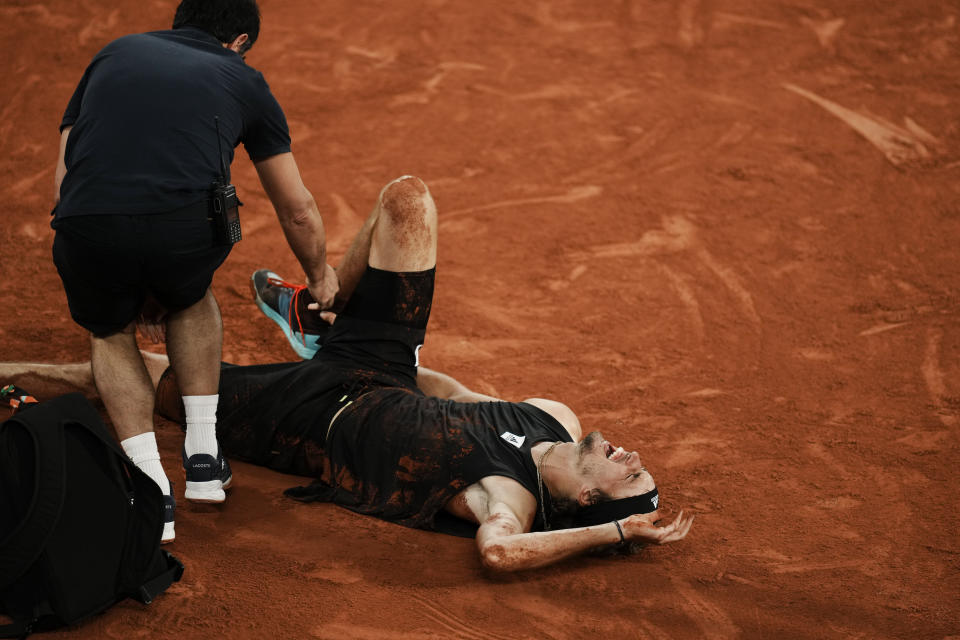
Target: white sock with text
{"x": 201, "y": 412}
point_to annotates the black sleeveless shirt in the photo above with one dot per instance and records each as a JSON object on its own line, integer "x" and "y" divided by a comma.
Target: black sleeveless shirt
{"x": 401, "y": 456}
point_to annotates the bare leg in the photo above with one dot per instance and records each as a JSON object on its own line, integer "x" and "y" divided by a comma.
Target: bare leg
{"x": 127, "y": 391}
{"x": 45, "y": 380}
{"x": 399, "y": 235}
{"x": 123, "y": 382}
{"x": 48, "y": 380}
{"x": 354, "y": 261}
{"x": 194, "y": 342}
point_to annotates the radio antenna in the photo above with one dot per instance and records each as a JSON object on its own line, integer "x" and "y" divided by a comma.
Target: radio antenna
{"x": 223, "y": 167}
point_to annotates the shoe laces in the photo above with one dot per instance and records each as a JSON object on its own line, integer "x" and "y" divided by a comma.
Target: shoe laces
{"x": 291, "y": 309}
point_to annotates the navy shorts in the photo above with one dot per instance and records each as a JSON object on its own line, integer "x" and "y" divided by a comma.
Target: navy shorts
{"x": 109, "y": 264}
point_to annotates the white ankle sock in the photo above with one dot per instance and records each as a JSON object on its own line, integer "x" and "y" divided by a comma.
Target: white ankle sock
{"x": 201, "y": 412}
{"x": 142, "y": 449}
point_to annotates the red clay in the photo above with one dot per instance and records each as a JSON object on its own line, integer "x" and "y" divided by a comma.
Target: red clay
{"x": 647, "y": 210}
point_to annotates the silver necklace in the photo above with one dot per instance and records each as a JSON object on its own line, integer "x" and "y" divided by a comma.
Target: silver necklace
{"x": 543, "y": 506}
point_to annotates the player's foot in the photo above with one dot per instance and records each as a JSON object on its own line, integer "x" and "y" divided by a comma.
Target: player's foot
{"x": 169, "y": 508}
{"x": 286, "y": 304}
{"x": 13, "y": 396}
{"x": 207, "y": 477}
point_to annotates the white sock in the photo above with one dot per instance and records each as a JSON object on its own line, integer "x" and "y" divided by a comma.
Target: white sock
{"x": 201, "y": 412}
{"x": 142, "y": 449}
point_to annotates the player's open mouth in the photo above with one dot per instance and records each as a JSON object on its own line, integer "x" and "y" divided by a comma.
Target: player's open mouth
{"x": 614, "y": 454}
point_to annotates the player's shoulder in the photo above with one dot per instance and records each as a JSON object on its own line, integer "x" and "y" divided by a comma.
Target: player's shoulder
{"x": 561, "y": 413}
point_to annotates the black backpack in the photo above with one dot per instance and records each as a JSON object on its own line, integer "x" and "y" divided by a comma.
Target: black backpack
{"x": 80, "y": 524}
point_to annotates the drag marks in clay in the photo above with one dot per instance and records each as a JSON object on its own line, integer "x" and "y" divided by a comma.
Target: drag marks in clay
{"x": 677, "y": 235}
{"x": 354, "y": 631}
{"x": 683, "y": 287}
{"x": 336, "y": 572}
{"x": 450, "y": 622}
{"x": 825, "y": 30}
{"x": 691, "y": 30}
{"x": 574, "y": 194}
{"x": 431, "y": 86}
{"x": 882, "y": 327}
{"x": 99, "y": 29}
{"x": 934, "y": 378}
{"x": 900, "y": 145}
{"x": 709, "y": 616}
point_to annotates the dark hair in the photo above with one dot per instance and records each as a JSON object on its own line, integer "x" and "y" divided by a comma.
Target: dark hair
{"x": 223, "y": 19}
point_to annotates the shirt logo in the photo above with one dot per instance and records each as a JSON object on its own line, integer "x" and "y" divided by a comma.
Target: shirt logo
{"x": 515, "y": 440}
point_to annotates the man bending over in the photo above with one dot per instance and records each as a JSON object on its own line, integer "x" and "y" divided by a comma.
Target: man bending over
{"x": 387, "y": 438}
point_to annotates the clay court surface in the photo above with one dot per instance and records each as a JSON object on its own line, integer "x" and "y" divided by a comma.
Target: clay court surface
{"x": 724, "y": 232}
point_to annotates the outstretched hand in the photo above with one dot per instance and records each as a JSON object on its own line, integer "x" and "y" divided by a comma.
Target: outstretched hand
{"x": 637, "y": 528}
{"x": 324, "y": 291}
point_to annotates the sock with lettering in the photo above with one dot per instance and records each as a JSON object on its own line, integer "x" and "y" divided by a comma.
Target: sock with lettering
{"x": 201, "y": 412}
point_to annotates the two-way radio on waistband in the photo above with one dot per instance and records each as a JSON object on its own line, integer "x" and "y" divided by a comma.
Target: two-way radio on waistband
{"x": 224, "y": 204}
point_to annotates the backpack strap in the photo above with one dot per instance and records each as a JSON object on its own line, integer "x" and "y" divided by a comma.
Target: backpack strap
{"x": 17, "y": 629}
{"x": 26, "y": 542}
{"x": 155, "y": 586}
{"x": 23, "y": 627}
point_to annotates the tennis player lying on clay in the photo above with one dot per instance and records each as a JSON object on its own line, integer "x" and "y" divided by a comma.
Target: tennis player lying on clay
{"x": 387, "y": 438}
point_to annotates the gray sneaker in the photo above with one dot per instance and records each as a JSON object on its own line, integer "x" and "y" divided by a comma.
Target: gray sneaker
{"x": 286, "y": 304}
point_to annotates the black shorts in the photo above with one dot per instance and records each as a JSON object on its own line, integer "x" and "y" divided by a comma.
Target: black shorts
{"x": 382, "y": 326}
{"x": 277, "y": 415}
{"x": 109, "y": 264}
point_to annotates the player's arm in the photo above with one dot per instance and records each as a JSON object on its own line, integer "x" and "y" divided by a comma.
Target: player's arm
{"x": 61, "y": 164}
{"x": 440, "y": 385}
{"x": 301, "y": 223}
{"x": 506, "y": 544}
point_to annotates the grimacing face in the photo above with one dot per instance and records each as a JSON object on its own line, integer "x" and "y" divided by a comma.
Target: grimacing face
{"x": 614, "y": 471}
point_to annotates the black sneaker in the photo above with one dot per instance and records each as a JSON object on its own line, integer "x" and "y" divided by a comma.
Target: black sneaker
{"x": 15, "y": 397}
{"x": 207, "y": 477}
{"x": 169, "y": 508}
{"x": 286, "y": 304}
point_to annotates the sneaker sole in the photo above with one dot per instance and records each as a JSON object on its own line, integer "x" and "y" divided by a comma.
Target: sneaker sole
{"x": 305, "y": 351}
{"x": 209, "y": 492}
{"x": 168, "y": 533}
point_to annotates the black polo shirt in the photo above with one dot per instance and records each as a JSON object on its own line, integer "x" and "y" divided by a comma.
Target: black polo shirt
{"x": 143, "y": 138}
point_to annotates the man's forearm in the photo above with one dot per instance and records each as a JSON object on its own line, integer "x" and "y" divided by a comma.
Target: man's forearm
{"x": 306, "y": 236}
{"x": 530, "y": 550}
{"x": 297, "y": 211}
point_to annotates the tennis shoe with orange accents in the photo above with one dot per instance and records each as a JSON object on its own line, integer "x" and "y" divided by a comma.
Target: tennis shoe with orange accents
{"x": 13, "y": 396}
{"x": 286, "y": 304}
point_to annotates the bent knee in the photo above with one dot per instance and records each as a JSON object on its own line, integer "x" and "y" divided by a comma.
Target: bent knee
{"x": 407, "y": 200}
